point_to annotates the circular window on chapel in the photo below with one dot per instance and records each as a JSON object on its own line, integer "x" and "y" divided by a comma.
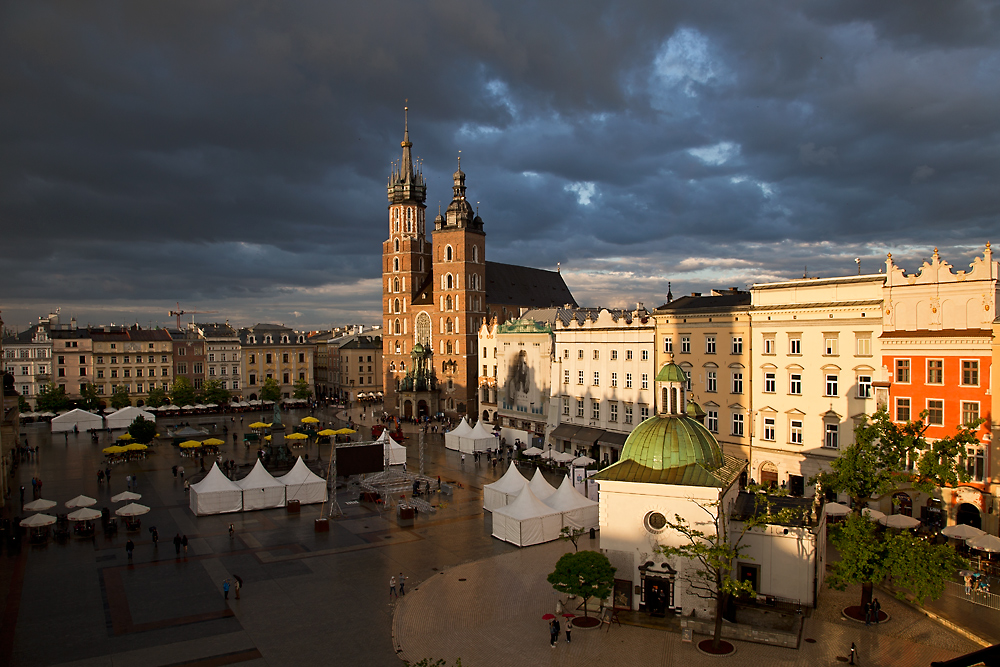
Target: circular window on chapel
{"x": 655, "y": 522}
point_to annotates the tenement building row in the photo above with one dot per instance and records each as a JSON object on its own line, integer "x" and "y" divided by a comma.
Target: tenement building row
{"x": 781, "y": 374}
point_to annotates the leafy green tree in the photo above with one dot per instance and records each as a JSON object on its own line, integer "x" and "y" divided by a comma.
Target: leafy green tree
{"x": 884, "y": 457}
{"x": 182, "y": 393}
{"x": 23, "y": 405}
{"x": 572, "y": 535}
{"x": 120, "y": 399}
{"x": 715, "y": 553}
{"x": 213, "y": 392}
{"x": 89, "y": 400}
{"x": 157, "y": 397}
{"x": 52, "y": 399}
{"x": 142, "y": 430}
{"x": 584, "y": 573}
{"x": 271, "y": 390}
{"x": 301, "y": 389}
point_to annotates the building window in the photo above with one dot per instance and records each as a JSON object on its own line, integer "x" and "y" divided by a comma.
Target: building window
{"x": 831, "y": 438}
{"x": 613, "y": 413}
{"x": 579, "y": 407}
{"x": 830, "y": 346}
{"x": 597, "y": 378}
{"x": 831, "y": 385}
{"x": 100, "y": 374}
{"x": 737, "y": 344}
{"x": 795, "y": 431}
{"x": 645, "y": 355}
{"x": 976, "y": 463}
{"x": 711, "y": 383}
{"x": 864, "y": 386}
{"x": 768, "y": 428}
{"x": 685, "y": 344}
{"x": 579, "y": 377}
{"x": 864, "y": 345}
{"x": 253, "y": 380}
{"x": 284, "y": 378}
{"x": 579, "y": 354}
{"x": 970, "y": 412}
{"x": 687, "y": 380}
{"x": 211, "y": 356}
{"x": 182, "y": 369}
{"x": 902, "y": 409}
{"x": 935, "y": 412}
{"x": 268, "y": 358}
{"x": 770, "y": 383}
{"x": 644, "y": 412}
{"x": 795, "y": 383}
{"x": 565, "y": 403}
{"x": 628, "y": 355}
{"x": 712, "y": 421}
{"x": 903, "y": 370}
{"x": 645, "y": 381}
{"x": 614, "y": 355}
{"x": 565, "y": 374}
{"x": 614, "y": 379}
{"x": 738, "y": 424}
{"x": 595, "y": 409}
{"x": 668, "y": 345}
{"x": 970, "y": 372}
{"x": 709, "y": 344}
{"x": 198, "y": 369}
{"x": 737, "y": 383}
{"x": 597, "y": 355}
{"x": 628, "y": 380}
{"x": 628, "y": 413}
{"x": 794, "y": 346}
{"x": 769, "y": 345}
{"x": 935, "y": 371}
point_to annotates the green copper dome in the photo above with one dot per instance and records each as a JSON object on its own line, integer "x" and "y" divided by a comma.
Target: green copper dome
{"x": 418, "y": 349}
{"x": 694, "y": 411}
{"x": 671, "y": 373}
{"x": 664, "y": 442}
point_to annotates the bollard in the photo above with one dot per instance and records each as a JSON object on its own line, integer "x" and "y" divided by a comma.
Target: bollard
{"x": 854, "y": 651}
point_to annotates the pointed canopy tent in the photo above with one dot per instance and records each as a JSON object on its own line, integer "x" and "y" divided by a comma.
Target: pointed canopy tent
{"x": 503, "y": 491}
{"x": 81, "y": 419}
{"x": 216, "y": 494}
{"x": 539, "y": 486}
{"x": 478, "y": 439}
{"x": 395, "y": 453}
{"x": 123, "y": 418}
{"x": 261, "y": 490}
{"x": 453, "y": 439}
{"x": 303, "y": 484}
{"x": 578, "y": 511}
{"x": 527, "y": 521}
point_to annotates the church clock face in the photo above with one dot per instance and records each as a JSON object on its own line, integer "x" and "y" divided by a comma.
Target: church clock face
{"x": 655, "y": 522}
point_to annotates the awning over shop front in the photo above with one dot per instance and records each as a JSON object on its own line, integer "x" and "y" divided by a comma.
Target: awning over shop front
{"x": 565, "y": 431}
{"x": 587, "y": 436}
{"x": 613, "y": 440}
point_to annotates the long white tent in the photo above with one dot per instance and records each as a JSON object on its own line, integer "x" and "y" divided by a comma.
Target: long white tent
{"x": 261, "y": 490}
{"x": 123, "y": 418}
{"x": 453, "y": 439}
{"x": 503, "y": 491}
{"x": 527, "y": 521}
{"x": 577, "y": 510}
{"x": 303, "y": 484}
{"x": 216, "y": 494}
{"x": 479, "y": 439}
{"x": 81, "y": 419}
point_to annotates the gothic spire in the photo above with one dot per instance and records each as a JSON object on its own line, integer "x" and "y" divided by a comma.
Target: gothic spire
{"x": 406, "y": 165}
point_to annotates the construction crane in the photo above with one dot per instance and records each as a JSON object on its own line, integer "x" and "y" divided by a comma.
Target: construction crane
{"x": 180, "y": 312}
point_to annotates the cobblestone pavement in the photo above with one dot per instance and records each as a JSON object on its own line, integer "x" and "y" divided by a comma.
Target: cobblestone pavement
{"x": 489, "y": 613}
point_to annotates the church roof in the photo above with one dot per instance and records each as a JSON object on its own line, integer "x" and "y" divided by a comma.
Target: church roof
{"x": 511, "y": 285}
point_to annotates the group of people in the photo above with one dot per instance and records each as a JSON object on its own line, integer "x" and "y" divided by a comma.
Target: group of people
{"x": 873, "y": 610}
{"x": 554, "y": 631}
{"x": 235, "y": 583}
{"x": 392, "y": 586}
{"x": 976, "y": 581}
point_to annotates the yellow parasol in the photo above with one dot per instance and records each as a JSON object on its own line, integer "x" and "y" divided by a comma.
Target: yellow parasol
{"x": 310, "y": 420}
{"x": 296, "y": 436}
{"x": 135, "y": 447}
{"x": 345, "y": 431}
{"x": 125, "y": 436}
{"x": 259, "y": 425}
{"x": 327, "y": 432}
{"x": 190, "y": 444}
{"x": 267, "y": 437}
{"x": 113, "y": 449}
{"x": 214, "y": 441}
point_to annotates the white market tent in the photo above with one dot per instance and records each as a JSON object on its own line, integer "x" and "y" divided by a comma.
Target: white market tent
{"x": 216, "y": 494}
{"x": 303, "y": 484}
{"x": 539, "y": 486}
{"x": 123, "y": 418}
{"x": 395, "y": 453}
{"x": 527, "y": 521}
{"x": 578, "y": 510}
{"x": 479, "y": 439}
{"x": 453, "y": 439}
{"x": 261, "y": 490}
{"x": 81, "y": 419}
{"x": 504, "y": 490}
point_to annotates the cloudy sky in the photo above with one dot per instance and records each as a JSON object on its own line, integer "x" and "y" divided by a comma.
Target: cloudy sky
{"x": 233, "y": 156}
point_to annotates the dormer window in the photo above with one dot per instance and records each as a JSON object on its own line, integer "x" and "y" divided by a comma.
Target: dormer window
{"x": 284, "y": 339}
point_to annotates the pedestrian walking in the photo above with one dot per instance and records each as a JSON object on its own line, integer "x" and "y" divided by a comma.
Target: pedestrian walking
{"x": 868, "y": 613}
{"x": 180, "y": 471}
{"x": 128, "y": 482}
{"x": 569, "y": 626}
{"x": 154, "y": 535}
{"x": 237, "y": 585}
{"x": 553, "y": 632}
{"x": 107, "y": 475}
{"x": 876, "y": 609}
{"x": 402, "y": 583}
{"x": 129, "y": 548}
{"x": 184, "y": 543}
{"x": 392, "y": 587}
{"x": 463, "y": 460}
{"x": 967, "y": 578}
{"x": 225, "y": 589}
{"x": 177, "y": 543}
{"x": 174, "y": 470}
{"x": 232, "y": 531}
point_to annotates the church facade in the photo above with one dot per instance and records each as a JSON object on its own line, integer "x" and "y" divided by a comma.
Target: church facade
{"x": 436, "y": 295}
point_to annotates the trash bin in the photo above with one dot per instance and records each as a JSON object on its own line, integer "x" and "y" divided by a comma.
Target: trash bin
{"x": 293, "y": 507}
{"x": 321, "y": 525}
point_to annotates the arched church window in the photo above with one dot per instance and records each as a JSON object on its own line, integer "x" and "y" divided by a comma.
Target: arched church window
{"x": 421, "y": 265}
{"x": 395, "y": 263}
{"x": 396, "y": 327}
{"x": 395, "y": 306}
{"x": 396, "y": 245}
{"x": 448, "y": 328}
{"x": 448, "y": 282}
{"x": 409, "y": 215}
{"x": 447, "y": 254}
{"x": 392, "y": 365}
{"x": 475, "y": 253}
{"x": 447, "y": 303}
{"x": 397, "y": 345}
{"x": 423, "y": 329}
{"x": 395, "y": 285}
{"x": 409, "y": 226}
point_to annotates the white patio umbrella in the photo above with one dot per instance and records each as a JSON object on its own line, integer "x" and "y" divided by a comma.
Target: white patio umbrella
{"x": 84, "y": 514}
{"x": 39, "y": 505}
{"x": 132, "y": 509}
{"x": 873, "y": 515}
{"x": 583, "y": 461}
{"x": 988, "y": 543}
{"x": 532, "y": 451}
{"x": 563, "y": 457}
{"x": 836, "y": 509}
{"x": 80, "y": 501}
{"x": 126, "y": 495}
{"x": 899, "y": 521}
{"x": 38, "y": 521}
{"x": 962, "y": 531}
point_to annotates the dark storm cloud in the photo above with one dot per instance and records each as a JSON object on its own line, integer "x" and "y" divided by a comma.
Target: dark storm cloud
{"x": 232, "y": 155}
